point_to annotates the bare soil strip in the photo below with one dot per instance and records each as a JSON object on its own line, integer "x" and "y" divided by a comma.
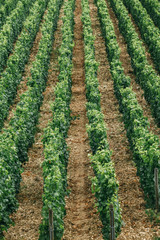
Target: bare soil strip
{"x": 28, "y": 217}
{"x": 126, "y": 63}
{"x": 136, "y": 222}
{"x": 81, "y": 220}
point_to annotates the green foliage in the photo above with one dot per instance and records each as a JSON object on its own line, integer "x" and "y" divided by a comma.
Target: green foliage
{"x": 7, "y": 198}
{"x": 16, "y": 140}
{"x": 61, "y": 115}
{"x": 5, "y": 10}
{"x": 145, "y": 145}
{"x": 55, "y": 147}
{"x": 24, "y": 122}
{"x": 104, "y": 184}
{"x": 11, "y": 29}
{"x": 152, "y": 7}
{"x": 105, "y": 188}
{"x": 96, "y": 130}
{"x": 53, "y": 199}
{"x": 16, "y": 63}
{"x": 9, "y": 181}
{"x": 145, "y": 74}
{"x": 149, "y": 32}
{"x": 27, "y": 112}
{"x": 54, "y": 172}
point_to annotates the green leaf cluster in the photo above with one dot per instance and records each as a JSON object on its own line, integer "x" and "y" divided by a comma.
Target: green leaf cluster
{"x": 105, "y": 187}
{"x": 145, "y": 145}
{"x": 5, "y": 10}
{"x": 27, "y": 112}
{"x": 2, "y": 1}
{"x": 12, "y": 28}
{"x": 55, "y": 147}
{"x": 112, "y": 48}
{"x": 16, "y": 63}
{"x": 153, "y": 9}
{"x": 104, "y": 184}
{"x": 149, "y": 32}
{"x": 9, "y": 179}
{"x": 145, "y": 74}
{"x": 54, "y": 173}
{"x": 16, "y": 140}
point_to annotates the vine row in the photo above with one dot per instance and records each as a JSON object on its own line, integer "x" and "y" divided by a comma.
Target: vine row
{"x": 153, "y": 9}
{"x": 104, "y": 184}
{"x": 149, "y": 32}
{"x": 12, "y": 76}
{"x": 55, "y": 147}
{"x": 6, "y": 9}
{"x": 144, "y": 145}
{"x": 16, "y": 140}
{"x": 145, "y": 74}
{"x": 12, "y": 28}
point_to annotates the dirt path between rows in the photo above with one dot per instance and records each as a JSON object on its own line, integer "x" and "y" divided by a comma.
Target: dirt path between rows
{"x": 28, "y": 217}
{"x": 136, "y": 222}
{"x": 81, "y": 220}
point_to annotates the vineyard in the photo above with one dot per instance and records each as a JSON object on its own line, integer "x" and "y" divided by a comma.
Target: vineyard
{"x": 79, "y": 119}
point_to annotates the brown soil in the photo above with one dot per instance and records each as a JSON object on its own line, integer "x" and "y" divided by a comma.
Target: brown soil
{"x": 28, "y": 217}
{"x": 136, "y": 222}
{"x": 81, "y": 220}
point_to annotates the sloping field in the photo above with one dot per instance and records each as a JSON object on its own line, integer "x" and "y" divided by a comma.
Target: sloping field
{"x": 79, "y": 119}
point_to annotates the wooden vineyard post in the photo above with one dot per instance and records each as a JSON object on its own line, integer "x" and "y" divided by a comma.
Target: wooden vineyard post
{"x": 51, "y": 226}
{"x": 156, "y": 188}
{"x": 112, "y": 234}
